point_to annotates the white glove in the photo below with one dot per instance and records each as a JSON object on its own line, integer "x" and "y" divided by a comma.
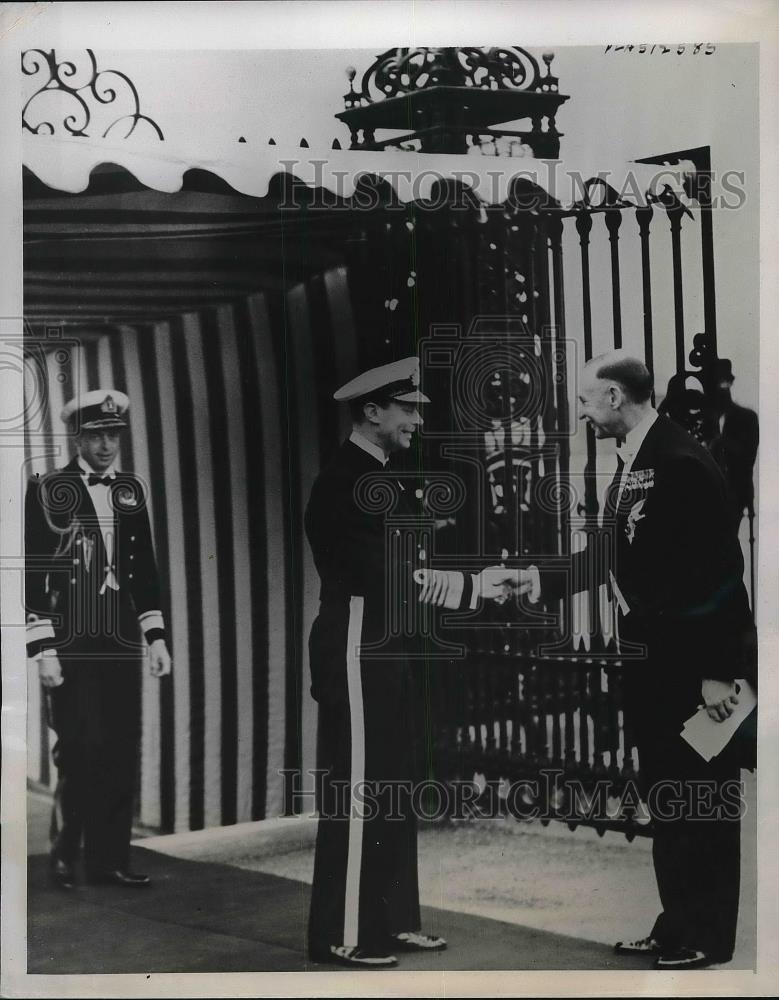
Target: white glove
{"x": 49, "y": 669}
{"x": 499, "y": 582}
{"x": 160, "y": 664}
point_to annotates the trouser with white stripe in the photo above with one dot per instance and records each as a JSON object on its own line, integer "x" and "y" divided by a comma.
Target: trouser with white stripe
{"x": 365, "y": 872}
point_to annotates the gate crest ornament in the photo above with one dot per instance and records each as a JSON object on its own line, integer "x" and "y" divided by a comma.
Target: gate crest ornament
{"x": 450, "y": 98}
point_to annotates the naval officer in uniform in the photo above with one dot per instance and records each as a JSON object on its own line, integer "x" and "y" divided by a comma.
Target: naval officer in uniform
{"x": 91, "y": 589}
{"x": 365, "y": 897}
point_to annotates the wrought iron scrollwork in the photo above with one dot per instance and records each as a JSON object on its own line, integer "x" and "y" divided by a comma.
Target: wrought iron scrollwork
{"x": 403, "y": 71}
{"x": 598, "y": 193}
{"x": 77, "y": 92}
{"x": 693, "y": 407}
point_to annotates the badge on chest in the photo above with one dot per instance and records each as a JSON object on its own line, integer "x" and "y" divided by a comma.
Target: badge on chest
{"x": 639, "y": 480}
{"x": 634, "y": 497}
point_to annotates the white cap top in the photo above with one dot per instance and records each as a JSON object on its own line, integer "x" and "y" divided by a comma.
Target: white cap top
{"x": 399, "y": 380}
{"x": 98, "y": 408}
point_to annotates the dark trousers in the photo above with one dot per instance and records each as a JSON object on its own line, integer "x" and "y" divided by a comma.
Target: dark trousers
{"x": 365, "y": 870}
{"x": 696, "y": 809}
{"x": 95, "y": 713}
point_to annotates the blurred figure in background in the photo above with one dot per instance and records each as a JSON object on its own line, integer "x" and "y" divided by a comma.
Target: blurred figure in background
{"x": 727, "y": 430}
{"x": 734, "y": 445}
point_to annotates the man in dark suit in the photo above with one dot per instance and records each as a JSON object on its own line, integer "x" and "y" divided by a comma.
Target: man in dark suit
{"x": 91, "y": 581}
{"x": 734, "y": 445}
{"x": 365, "y": 896}
{"x": 684, "y": 625}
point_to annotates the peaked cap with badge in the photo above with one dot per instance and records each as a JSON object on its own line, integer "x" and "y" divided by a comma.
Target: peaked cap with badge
{"x": 95, "y": 410}
{"x": 398, "y": 381}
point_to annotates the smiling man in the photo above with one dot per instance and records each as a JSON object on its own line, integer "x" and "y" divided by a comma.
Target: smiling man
{"x": 91, "y": 588}
{"x": 365, "y": 896}
{"x": 684, "y": 629}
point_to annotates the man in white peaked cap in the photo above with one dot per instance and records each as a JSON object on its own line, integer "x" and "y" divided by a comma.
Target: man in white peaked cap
{"x": 365, "y": 897}
{"x": 91, "y": 588}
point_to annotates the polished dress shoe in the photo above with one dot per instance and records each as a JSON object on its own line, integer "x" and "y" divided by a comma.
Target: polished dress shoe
{"x": 354, "y": 958}
{"x": 61, "y": 874}
{"x": 416, "y": 941}
{"x": 644, "y": 946}
{"x": 683, "y": 958}
{"x": 126, "y": 880}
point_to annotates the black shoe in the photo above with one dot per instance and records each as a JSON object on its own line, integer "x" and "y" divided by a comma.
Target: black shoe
{"x": 355, "y": 958}
{"x": 718, "y": 961}
{"x": 683, "y": 958}
{"x": 416, "y": 941}
{"x": 644, "y": 946}
{"x": 127, "y": 880}
{"x": 61, "y": 874}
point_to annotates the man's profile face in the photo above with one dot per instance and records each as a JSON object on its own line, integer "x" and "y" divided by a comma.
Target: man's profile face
{"x": 397, "y": 424}
{"x": 595, "y": 405}
{"x": 99, "y": 447}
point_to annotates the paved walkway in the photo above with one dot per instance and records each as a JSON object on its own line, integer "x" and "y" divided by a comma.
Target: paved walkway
{"x": 206, "y": 917}
{"x": 506, "y": 895}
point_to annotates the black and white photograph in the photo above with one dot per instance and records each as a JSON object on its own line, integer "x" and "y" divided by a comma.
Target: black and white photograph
{"x": 388, "y": 543}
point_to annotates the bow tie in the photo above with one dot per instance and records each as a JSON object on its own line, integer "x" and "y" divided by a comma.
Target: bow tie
{"x": 95, "y": 480}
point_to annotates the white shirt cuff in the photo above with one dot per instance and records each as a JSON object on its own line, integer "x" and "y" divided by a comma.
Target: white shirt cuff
{"x": 151, "y": 619}
{"x": 454, "y": 592}
{"x": 475, "y": 594}
{"x": 39, "y": 629}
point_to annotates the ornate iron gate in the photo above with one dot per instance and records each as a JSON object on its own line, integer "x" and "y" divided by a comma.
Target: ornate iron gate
{"x": 534, "y": 710}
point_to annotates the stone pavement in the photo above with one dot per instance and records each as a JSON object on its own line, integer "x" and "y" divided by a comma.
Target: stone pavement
{"x": 505, "y": 897}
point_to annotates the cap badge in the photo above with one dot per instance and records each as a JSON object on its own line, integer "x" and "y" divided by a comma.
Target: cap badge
{"x": 124, "y": 499}
{"x": 108, "y": 405}
{"x": 415, "y": 378}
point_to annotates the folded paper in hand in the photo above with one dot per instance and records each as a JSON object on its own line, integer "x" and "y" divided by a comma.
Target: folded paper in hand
{"x": 707, "y": 736}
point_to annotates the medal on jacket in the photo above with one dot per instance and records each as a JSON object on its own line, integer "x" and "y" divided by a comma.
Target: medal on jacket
{"x": 641, "y": 479}
{"x": 634, "y": 517}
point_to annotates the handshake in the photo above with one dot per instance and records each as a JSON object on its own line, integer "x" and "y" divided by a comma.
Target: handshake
{"x": 444, "y": 588}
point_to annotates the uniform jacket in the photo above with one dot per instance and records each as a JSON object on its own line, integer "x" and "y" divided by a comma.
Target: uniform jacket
{"x": 67, "y": 565}
{"x": 347, "y": 523}
{"x": 676, "y": 559}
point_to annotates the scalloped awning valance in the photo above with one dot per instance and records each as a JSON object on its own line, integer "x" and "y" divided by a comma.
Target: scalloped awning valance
{"x": 66, "y": 164}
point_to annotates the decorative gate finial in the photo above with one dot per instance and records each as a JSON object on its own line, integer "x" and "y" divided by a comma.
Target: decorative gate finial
{"x": 451, "y": 96}
{"x": 83, "y": 89}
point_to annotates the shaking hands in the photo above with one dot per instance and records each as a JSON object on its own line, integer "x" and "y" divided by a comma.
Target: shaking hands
{"x": 444, "y": 588}
{"x": 498, "y": 583}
